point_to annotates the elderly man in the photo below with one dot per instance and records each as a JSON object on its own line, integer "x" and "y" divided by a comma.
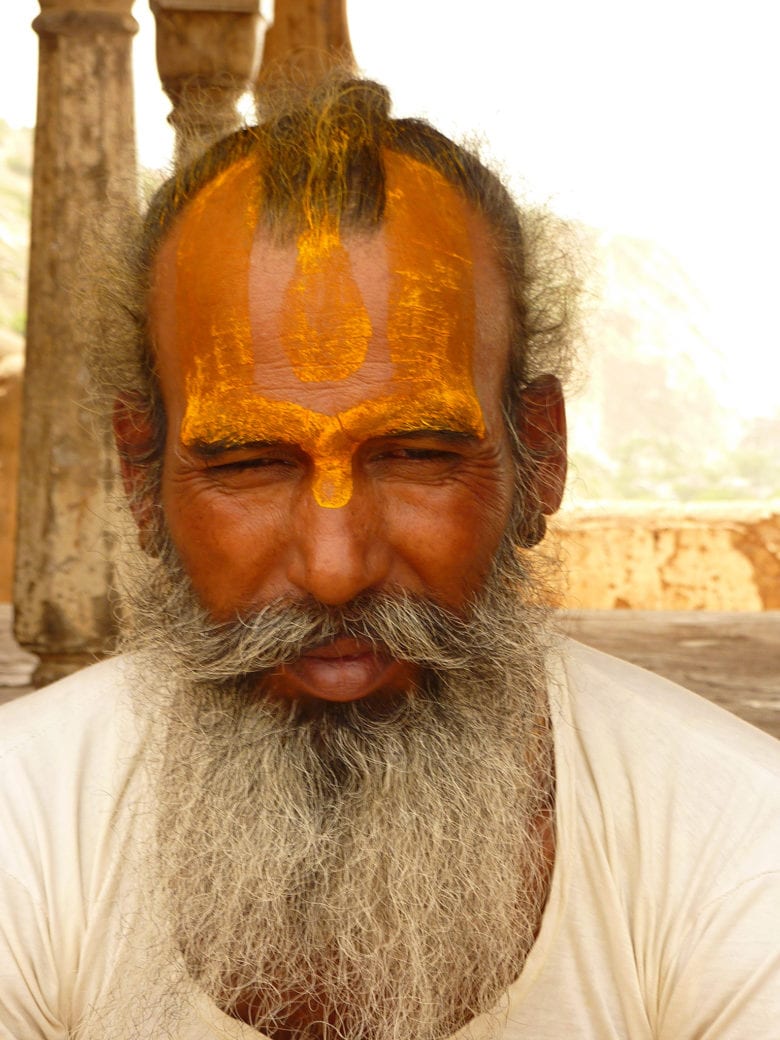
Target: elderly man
{"x": 348, "y": 782}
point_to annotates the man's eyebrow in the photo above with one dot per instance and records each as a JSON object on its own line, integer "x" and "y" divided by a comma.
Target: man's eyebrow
{"x": 210, "y": 449}
{"x": 419, "y": 433}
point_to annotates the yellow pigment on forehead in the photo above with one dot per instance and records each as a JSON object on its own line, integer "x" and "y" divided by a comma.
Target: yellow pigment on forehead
{"x": 235, "y": 419}
{"x": 325, "y": 329}
{"x": 325, "y": 325}
{"x": 216, "y": 234}
{"x": 431, "y": 315}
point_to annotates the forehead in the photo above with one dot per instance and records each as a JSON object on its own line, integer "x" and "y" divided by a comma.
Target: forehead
{"x": 424, "y": 295}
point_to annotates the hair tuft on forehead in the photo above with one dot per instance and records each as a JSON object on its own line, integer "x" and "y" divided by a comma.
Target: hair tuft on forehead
{"x": 320, "y": 162}
{"x": 323, "y": 160}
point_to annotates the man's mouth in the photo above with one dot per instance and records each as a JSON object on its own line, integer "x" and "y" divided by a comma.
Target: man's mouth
{"x": 343, "y": 670}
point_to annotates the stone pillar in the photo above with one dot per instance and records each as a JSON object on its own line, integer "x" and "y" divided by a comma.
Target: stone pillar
{"x": 208, "y": 52}
{"x": 308, "y": 37}
{"x": 84, "y": 170}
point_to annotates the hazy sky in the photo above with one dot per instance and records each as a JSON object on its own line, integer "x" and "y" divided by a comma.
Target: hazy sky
{"x": 657, "y": 119}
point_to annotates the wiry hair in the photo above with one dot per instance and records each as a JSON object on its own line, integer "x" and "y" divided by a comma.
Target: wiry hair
{"x": 321, "y": 159}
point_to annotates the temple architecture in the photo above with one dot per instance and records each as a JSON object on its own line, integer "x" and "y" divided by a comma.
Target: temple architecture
{"x": 84, "y": 151}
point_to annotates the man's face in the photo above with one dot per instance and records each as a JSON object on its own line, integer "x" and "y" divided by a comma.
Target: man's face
{"x": 334, "y": 412}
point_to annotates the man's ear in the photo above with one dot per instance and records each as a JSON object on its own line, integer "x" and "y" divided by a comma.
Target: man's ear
{"x": 134, "y": 436}
{"x": 540, "y": 422}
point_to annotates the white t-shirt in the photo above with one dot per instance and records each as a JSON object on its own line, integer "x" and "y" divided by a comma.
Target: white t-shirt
{"x": 663, "y": 918}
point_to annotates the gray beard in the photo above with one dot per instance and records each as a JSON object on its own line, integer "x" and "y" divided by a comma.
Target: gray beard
{"x": 372, "y": 870}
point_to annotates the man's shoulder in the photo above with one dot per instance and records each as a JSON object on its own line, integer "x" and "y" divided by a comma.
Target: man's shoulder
{"x": 610, "y": 695}
{"x": 667, "y": 871}
{"x": 58, "y": 719}
{"x": 71, "y": 806}
{"x": 654, "y": 765}
{"x": 69, "y": 766}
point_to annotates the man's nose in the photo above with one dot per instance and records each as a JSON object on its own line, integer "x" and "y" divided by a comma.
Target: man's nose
{"x": 337, "y": 553}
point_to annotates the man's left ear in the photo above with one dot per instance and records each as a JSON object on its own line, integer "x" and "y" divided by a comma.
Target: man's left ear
{"x": 540, "y": 422}
{"x": 134, "y": 438}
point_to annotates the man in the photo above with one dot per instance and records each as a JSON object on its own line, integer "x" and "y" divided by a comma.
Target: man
{"x": 348, "y": 783}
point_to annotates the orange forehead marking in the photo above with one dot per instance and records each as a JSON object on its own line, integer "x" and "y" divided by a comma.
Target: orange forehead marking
{"x": 329, "y": 440}
{"x": 431, "y": 318}
{"x": 212, "y": 286}
{"x": 325, "y": 328}
{"x": 325, "y": 325}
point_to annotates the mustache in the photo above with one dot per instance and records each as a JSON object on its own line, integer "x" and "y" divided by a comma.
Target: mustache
{"x": 400, "y": 624}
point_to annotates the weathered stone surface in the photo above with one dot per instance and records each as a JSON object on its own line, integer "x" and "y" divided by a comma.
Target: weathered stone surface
{"x": 307, "y": 37}
{"x": 16, "y": 666}
{"x": 719, "y": 556}
{"x": 117, "y": 7}
{"x": 207, "y": 57}
{"x": 84, "y": 158}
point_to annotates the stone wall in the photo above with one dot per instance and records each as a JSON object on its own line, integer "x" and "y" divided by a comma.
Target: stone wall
{"x": 709, "y": 556}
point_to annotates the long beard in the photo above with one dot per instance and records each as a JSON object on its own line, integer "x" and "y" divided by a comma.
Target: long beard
{"x": 373, "y": 870}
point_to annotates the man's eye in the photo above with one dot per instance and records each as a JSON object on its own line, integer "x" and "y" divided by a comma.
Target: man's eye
{"x": 252, "y": 471}
{"x": 421, "y": 454}
{"x": 254, "y": 463}
{"x": 408, "y": 459}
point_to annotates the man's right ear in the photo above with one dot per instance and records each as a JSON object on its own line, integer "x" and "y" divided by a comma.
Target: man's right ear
{"x": 134, "y": 436}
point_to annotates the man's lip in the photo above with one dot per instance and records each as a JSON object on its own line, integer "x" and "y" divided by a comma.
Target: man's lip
{"x": 343, "y": 670}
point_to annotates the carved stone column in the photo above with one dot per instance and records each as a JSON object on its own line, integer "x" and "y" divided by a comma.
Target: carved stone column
{"x": 208, "y": 52}
{"x": 308, "y": 37}
{"x": 84, "y": 168}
